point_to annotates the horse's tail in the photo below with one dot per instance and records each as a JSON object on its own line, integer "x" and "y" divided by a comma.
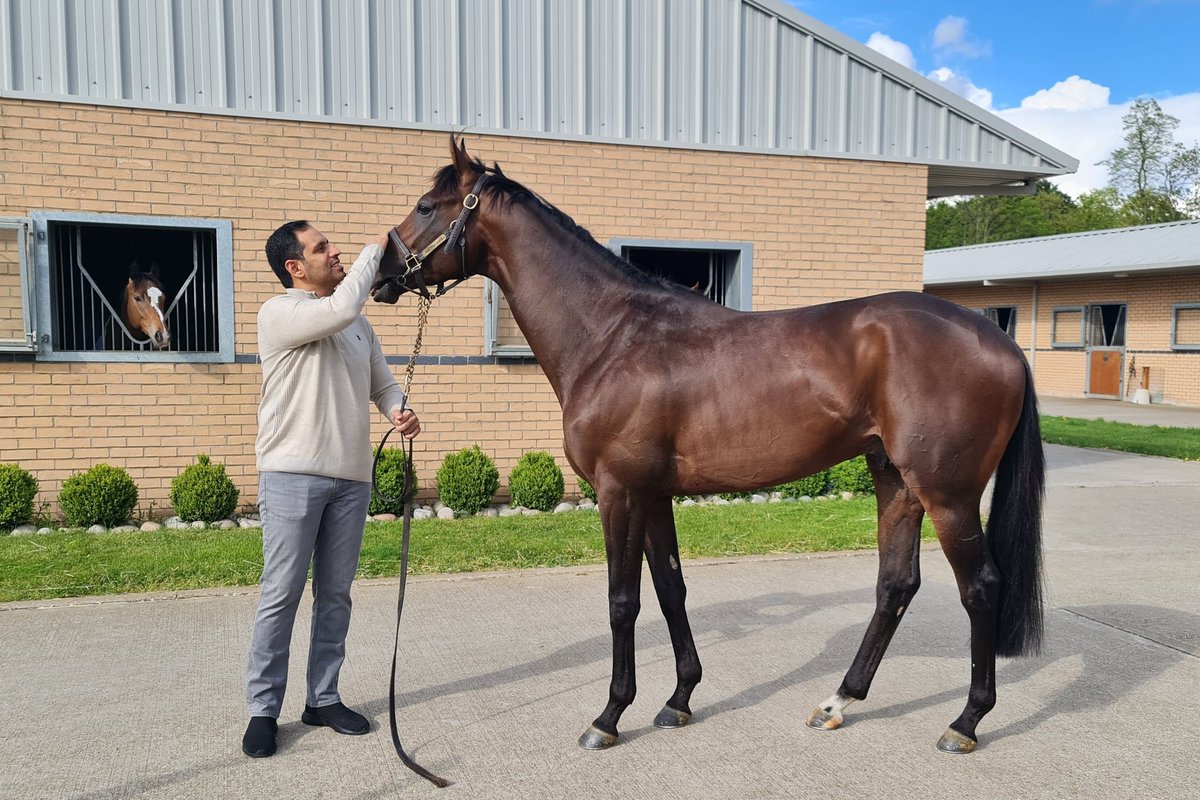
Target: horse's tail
{"x": 1014, "y": 533}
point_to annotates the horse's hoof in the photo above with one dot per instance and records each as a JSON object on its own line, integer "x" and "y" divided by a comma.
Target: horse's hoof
{"x": 671, "y": 718}
{"x": 954, "y": 742}
{"x": 595, "y": 739}
{"x": 824, "y": 719}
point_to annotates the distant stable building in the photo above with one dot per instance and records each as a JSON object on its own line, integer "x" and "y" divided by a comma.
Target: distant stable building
{"x": 737, "y": 146}
{"x": 1113, "y": 314}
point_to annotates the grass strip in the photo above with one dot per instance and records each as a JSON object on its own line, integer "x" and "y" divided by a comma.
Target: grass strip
{"x": 77, "y": 564}
{"x": 1150, "y": 440}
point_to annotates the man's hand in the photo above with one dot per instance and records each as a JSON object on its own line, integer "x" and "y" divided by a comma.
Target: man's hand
{"x": 406, "y": 422}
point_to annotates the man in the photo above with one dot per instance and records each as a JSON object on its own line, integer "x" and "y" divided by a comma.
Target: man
{"x": 321, "y": 364}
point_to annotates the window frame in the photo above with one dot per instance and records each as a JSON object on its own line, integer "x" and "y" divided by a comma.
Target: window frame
{"x": 1175, "y": 308}
{"x": 1077, "y": 344}
{"x": 738, "y": 296}
{"x": 21, "y": 226}
{"x": 223, "y": 233}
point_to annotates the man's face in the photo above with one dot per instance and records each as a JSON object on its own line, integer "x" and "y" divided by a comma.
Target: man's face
{"x": 321, "y": 267}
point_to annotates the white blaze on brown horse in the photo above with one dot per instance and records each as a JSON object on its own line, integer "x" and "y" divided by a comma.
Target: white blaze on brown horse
{"x": 665, "y": 393}
{"x": 143, "y": 308}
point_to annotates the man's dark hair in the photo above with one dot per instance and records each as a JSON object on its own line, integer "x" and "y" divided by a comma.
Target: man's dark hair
{"x": 282, "y": 246}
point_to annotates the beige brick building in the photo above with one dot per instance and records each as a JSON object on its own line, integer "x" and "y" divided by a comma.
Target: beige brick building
{"x": 94, "y": 180}
{"x": 1099, "y": 314}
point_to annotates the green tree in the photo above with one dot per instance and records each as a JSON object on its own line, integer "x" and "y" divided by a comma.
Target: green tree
{"x": 1097, "y": 210}
{"x": 1153, "y": 173}
{"x": 978, "y": 220}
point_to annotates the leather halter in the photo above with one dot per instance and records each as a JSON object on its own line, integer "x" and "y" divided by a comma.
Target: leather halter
{"x": 414, "y": 261}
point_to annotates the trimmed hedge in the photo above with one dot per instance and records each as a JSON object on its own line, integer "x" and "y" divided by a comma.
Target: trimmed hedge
{"x": 809, "y": 486}
{"x": 389, "y": 477}
{"x": 468, "y": 480}
{"x": 203, "y": 492}
{"x": 851, "y": 476}
{"x": 104, "y": 495}
{"x": 536, "y": 481}
{"x": 17, "y": 490}
{"x": 586, "y": 490}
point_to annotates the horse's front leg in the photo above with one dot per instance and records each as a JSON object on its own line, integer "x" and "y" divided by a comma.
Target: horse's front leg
{"x": 662, "y": 554}
{"x": 624, "y": 519}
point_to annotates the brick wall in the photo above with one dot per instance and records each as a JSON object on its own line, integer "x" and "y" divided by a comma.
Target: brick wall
{"x": 1174, "y": 374}
{"x": 821, "y": 230}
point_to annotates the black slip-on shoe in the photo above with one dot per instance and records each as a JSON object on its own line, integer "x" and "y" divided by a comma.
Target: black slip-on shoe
{"x": 338, "y": 717}
{"x": 259, "y": 739}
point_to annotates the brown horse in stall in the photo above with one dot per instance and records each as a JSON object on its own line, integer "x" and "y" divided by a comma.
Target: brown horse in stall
{"x": 657, "y": 385}
{"x": 143, "y": 308}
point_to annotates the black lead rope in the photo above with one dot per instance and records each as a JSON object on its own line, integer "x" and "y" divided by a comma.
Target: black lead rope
{"x": 407, "y": 760}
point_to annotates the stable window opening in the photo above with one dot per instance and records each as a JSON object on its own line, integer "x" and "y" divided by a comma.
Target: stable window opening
{"x": 120, "y": 288}
{"x": 1107, "y": 327}
{"x": 1004, "y": 316}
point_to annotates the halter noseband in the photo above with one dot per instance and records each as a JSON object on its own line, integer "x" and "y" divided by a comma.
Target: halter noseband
{"x": 413, "y": 261}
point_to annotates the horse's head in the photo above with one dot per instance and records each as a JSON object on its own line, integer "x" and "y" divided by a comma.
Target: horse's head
{"x": 143, "y": 308}
{"x": 437, "y": 241}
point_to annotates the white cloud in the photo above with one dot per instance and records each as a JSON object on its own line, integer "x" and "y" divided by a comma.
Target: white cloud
{"x": 1074, "y": 115}
{"x": 962, "y": 86}
{"x": 1092, "y": 133}
{"x": 896, "y": 51}
{"x": 1073, "y": 94}
{"x": 950, "y": 37}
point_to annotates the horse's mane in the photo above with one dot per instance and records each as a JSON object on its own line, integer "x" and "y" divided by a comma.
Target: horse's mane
{"x": 507, "y": 192}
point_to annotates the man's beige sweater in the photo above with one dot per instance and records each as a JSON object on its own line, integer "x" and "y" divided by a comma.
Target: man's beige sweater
{"x": 321, "y": 365}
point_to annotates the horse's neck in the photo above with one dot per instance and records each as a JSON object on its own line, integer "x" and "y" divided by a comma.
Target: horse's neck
{"x": 565, "y": 296}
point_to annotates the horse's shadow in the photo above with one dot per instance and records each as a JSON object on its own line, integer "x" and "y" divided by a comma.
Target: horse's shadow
{"x": 923, "y": 635}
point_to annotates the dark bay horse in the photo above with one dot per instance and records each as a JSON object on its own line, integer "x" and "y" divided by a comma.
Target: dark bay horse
{"x": 665, "y": 393}
{"x": 143, "y": 307}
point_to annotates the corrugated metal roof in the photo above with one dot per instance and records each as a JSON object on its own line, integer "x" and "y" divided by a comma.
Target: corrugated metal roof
{"x": 1171, "y": 246}
{"x": 753, "y": 75}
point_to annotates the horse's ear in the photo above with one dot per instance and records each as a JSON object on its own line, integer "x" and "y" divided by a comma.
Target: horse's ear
{"x": 133, "y": 269}
{"x": 154, "y": 269}
{"x": 458, "y": 154}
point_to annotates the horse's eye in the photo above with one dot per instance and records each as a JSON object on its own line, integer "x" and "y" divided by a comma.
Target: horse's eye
{"x": 424, "y": 209}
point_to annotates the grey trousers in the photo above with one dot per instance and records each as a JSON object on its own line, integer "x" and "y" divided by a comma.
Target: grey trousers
{"x": 305, "y": 518}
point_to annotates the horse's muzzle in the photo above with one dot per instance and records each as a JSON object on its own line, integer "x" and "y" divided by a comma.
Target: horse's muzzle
{"x": 387, "y": 290}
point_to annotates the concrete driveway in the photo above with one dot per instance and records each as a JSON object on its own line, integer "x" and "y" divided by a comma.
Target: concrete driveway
{"x": 140, "y": 696}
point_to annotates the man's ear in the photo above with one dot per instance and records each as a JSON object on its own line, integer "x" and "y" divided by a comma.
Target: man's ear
{"x": 295, "y": 267}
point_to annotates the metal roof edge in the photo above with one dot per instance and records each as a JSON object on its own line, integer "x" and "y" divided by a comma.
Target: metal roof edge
{"x": 918, "y": 82}
{"x": 1038, "y": 240}
{"x": 1017, "y": 279}
{"x": 175, "y": 108}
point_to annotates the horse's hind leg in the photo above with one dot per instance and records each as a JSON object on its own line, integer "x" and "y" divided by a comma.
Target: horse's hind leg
{"x": 662, "y": 554}
{"x": 899, "y": 514}
{"x": 961, "y": 536}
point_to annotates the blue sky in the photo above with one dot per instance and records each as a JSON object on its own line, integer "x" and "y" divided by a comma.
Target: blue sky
{"x": 1063, "y": 70}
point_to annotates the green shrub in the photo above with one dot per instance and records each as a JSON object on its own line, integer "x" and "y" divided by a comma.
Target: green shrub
{"x": 389, "y": 477}
{"x": 586, "y": 490}
{"x": 810, "y": 486}
{"x": 203, "y": 492}
{"x": 17, "y": 490}
{"x": 734, "y": 495}
{"x": 104, "y": 495}
{"x": 851, "y": 476}
{"x": 467, "y": 480}
{"x": 536, "y": 482}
